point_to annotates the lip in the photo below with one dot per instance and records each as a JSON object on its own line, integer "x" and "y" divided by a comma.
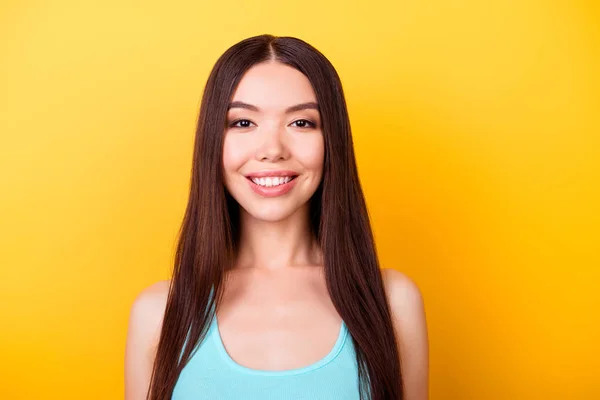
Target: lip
{"x": 266, "y": 173}
{"x": 272, "y": 191}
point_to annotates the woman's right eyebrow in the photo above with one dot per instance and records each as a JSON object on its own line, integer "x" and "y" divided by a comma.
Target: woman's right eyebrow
{"x": 297, "y": 107}
{"x": 241, "y": 104}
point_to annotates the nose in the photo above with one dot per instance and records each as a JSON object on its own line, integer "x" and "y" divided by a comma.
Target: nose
{"x": 272, "y": 146}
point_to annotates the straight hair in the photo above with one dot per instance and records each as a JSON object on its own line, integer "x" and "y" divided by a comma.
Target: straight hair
{"x": 208, "y": 238}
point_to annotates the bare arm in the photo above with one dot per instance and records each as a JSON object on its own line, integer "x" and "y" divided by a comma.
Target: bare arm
{"x": 411, "y": 332}
{"x": 145, "y": 322}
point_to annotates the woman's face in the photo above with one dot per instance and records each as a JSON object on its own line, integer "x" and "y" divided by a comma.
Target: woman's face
{"x": 273, "y": 147}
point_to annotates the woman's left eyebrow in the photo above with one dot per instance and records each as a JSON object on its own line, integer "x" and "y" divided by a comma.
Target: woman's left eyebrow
{"x": 302, "y": 106}
{"x": 297, "y": 107}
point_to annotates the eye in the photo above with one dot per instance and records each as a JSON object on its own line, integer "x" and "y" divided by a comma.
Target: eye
{"x": 304, "y": 123}
{"x": 244, "y": 123}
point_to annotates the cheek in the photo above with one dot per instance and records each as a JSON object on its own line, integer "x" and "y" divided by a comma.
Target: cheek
{"x": 311, "y": 153}
{"x": 234, "y": 154}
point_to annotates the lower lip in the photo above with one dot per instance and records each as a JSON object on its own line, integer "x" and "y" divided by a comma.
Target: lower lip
{"x": 272, "y": 191}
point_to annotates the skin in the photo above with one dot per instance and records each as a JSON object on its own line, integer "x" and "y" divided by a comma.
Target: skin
{"x": 276, "y": 293}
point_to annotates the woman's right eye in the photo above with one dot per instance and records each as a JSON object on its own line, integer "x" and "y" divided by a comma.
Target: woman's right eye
{"x": 240, "y": 123}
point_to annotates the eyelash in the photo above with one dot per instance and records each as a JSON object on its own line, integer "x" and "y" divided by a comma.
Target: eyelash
{"x": 309, "y": 123}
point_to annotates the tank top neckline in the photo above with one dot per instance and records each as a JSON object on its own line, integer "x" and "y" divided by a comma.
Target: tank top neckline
{"x": 335, "y": 350}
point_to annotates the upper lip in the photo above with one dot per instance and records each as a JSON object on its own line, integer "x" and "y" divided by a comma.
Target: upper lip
{"x": 260, "y": 174}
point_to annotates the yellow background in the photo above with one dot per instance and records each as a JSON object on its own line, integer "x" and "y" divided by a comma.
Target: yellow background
{"x": 476, "y": 127}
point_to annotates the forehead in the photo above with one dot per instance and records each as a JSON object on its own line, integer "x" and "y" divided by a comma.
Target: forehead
{"x": 274, "y": 86}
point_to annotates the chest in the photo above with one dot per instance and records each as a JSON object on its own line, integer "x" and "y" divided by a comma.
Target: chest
{"x": 279, "y": 325}
{"x": 213, "y": 374}
{"x": 273, "y": 340}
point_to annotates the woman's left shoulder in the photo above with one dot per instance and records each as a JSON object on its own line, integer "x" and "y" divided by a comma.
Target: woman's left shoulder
{"x": 406, "y": 302}
{"x": 401, "y": 290}
{"x": 410, "y": 325}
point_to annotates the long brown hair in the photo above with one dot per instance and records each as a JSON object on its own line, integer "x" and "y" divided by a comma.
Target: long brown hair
{"x": 209, "y": 234}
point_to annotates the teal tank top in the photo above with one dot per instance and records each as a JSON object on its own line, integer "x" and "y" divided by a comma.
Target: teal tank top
{"x": 212, "y": 374}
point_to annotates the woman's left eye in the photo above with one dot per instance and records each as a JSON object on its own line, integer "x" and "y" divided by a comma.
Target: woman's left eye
{"x": 304, "y": 123}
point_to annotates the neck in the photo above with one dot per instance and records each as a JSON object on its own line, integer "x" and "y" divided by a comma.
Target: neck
{"x": 276, "y": 245}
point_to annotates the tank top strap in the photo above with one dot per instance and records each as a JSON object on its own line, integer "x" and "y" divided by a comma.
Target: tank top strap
{"x": 209, "y": 328}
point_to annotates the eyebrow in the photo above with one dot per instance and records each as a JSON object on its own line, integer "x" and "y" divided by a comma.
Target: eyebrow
{"x": 297, "y": 107}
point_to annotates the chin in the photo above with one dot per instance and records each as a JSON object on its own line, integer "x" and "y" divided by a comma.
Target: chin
{"x": 269, "y": 213}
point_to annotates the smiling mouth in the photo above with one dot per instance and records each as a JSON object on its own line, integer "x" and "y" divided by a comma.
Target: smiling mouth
{"x": 271, "y": 181}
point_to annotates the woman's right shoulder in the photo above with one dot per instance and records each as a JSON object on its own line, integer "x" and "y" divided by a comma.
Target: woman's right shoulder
{"x": 149, "y": 305}
{"x": 147, "y": 312}
{"x": 156, "y": 292}
{"x": 143, "y": 334}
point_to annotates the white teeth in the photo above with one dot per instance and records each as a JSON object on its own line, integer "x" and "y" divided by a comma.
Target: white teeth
{"x": 272, "y": 181}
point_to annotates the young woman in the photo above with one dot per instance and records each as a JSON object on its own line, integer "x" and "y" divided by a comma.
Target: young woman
{"x": 277, "y": 291}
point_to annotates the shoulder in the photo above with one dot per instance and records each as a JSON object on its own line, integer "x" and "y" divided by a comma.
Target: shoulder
{"x": 405, "y": 300}
{"x": 408, "y": 316}
{"x": 152, "y": 296}
{"x": 403, "y": 293}
{"x": 148, "y": 308}
{"x": 143, "y": 333}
